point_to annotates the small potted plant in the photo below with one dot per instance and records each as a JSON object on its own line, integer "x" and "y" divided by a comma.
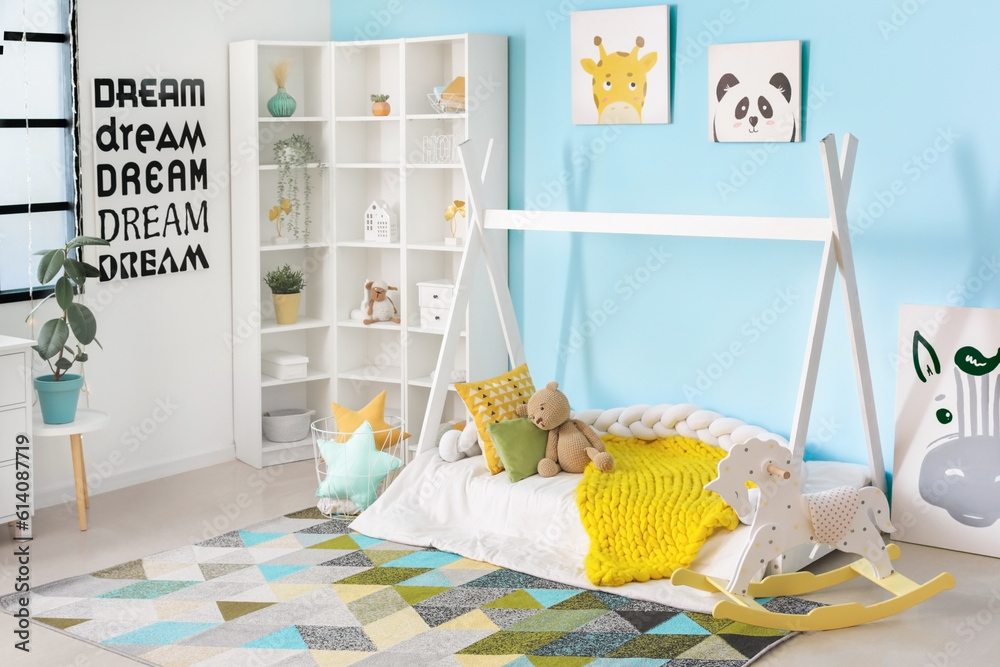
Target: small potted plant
{"x": 286, "y": 286}
{"x": 59, "y": 392}
{"x": 380, "y": 105}
{"x": 296, "y": 158}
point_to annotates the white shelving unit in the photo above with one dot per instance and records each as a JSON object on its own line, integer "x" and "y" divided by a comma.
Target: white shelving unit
{"x": 384, "y": 159}
{"x": 253, "y": 132}
{"x": 370, "y": 158}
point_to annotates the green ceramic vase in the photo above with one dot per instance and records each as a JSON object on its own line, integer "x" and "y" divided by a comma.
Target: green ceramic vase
{"x": 281, "y": 105}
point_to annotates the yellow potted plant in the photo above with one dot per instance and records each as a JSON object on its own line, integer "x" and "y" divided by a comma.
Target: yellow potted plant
{"x": 286, "y": 286}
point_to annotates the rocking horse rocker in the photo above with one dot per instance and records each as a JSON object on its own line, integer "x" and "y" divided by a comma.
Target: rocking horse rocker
{"x": 844, "y": 518}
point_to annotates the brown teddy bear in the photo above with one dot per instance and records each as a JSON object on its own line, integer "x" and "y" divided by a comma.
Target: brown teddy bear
{"x": 571, "y": 444}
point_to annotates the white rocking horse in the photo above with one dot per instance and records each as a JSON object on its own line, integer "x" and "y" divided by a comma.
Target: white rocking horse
{"x": 844, "y": 518}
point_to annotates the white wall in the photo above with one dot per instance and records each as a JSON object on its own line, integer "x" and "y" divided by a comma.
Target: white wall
{"x": 165, "y": 373}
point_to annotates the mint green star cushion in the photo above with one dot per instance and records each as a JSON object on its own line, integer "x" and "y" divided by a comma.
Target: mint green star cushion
{"x": 355, "y": 468}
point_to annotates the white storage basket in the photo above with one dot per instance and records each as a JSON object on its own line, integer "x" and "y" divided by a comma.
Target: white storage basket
{"x": 366, "y": 482}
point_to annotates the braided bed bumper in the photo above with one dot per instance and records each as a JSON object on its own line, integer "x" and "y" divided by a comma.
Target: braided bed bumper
{"x": 650, "y": 422}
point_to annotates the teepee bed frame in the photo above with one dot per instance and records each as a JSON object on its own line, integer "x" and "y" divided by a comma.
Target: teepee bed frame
{"x": 461, "y": 508}
{"x": 831, "y": 231}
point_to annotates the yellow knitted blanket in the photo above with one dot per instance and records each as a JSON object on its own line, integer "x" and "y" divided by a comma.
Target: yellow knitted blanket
{"x": 650, "y": 515}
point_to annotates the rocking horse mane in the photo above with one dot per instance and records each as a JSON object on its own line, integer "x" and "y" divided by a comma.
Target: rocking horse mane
{"x": 753, "y": 457}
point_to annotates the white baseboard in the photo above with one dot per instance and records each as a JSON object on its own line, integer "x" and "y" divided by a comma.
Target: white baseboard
{"x": 61, "y": 494}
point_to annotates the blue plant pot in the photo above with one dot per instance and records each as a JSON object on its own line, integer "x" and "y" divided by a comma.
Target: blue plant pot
{"x": 282, "y": 105}
{"x": 58, "y": 400}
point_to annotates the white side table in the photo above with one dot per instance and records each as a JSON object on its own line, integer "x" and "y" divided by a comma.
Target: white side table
{"x": 85, "y": 422}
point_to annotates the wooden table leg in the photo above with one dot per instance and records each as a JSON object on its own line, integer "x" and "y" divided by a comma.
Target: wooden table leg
{"x": 80, "y": 476}
{"x": 83, "y": 467}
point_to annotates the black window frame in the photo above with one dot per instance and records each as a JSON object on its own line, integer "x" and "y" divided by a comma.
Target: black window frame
{"x": 30, "y": 293}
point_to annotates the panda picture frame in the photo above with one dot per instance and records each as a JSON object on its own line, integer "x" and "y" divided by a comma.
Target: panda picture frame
{"x": 755, "y": 92}
{"x": 946, "y": 481}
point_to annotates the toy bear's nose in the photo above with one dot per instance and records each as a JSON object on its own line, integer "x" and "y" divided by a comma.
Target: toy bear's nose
{"x": 753, "y": 121}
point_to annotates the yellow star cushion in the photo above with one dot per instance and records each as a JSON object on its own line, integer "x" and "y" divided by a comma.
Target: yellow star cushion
{"x": 495, "y": 400}
{"x": 349, "y": 420}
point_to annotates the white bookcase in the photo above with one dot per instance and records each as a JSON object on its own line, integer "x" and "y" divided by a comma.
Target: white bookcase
{"x": 372, "y": 158}
{"x": 253, "y": 133}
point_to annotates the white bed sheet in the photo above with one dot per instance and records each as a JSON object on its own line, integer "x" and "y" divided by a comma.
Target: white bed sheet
{"x": 534, "y": 526}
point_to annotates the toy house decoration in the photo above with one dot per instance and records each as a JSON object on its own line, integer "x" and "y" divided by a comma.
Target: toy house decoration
{"x": 380, "y": 224}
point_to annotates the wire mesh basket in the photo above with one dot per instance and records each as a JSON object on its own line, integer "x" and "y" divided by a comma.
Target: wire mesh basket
{"x": 353, "y": 468}
{"x": 443, "y": 102}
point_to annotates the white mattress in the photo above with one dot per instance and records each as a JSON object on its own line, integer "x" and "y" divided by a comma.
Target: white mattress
{"x": 534, "y": 526}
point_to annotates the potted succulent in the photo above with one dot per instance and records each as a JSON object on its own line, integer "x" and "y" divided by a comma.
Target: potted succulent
{"x": 59, "y": 391}
{"x": 295, "y": 157}
{"x": 380, "y": 105}
{"x": 286, "y": 286}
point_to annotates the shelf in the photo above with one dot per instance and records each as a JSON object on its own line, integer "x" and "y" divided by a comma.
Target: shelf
{"x": 268, "y": 381}
{"x": 270, "y": 326}
{"x": 293, "y": 246}
{"x": 291, "y": 119}
{"x": 366, "y": 119}
{"x": 458, "y": 115}
{"x": 387, "y": 374}
{"x": 361, "y": 243}
{"x": 429, "y": 330}
{"x": 437, "y": 247}
{"x": 433, "y": 165}
{"x": 427, "y": 381}
{"x": 368, "y": 165}
{"x": 355, "y": 324}
{"x": 274, "y": 167}
{"x": 278, "y": 453}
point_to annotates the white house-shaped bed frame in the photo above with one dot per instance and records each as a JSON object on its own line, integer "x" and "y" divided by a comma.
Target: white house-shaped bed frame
{"x": 832, "y": 231}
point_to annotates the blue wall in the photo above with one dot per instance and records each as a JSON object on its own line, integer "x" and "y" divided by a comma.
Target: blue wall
{"x": 621, "y": 320}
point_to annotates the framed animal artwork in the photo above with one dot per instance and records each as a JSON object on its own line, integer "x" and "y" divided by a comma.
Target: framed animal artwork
{"x": 621, "y": 65}
{"x": 946, "y": 484}
{"x": 755, "y": 91}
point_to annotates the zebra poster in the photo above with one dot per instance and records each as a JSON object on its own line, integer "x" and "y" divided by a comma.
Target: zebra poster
{"x": 946, "y": 482}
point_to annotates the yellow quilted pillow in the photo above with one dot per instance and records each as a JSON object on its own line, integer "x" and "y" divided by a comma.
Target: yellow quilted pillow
{"x": 495, "y": 400}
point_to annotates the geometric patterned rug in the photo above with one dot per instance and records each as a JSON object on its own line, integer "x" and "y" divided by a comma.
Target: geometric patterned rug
{"x": 303, "y": 590}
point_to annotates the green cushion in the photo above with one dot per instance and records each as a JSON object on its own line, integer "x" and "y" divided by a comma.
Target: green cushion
{"x": 520, "y": 444}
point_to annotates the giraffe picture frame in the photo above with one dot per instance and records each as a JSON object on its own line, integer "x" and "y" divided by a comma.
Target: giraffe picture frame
{"x": 620, "y": 65}
{"x": 946, "y": 482}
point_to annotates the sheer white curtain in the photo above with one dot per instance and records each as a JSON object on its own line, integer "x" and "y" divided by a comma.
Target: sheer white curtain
{"x": 38, "y": 173}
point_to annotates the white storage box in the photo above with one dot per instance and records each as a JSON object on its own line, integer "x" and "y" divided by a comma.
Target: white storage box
{"x": 284, "y": 365}
{"x": 435, "y": 293}
{"x": 433, "y": 318}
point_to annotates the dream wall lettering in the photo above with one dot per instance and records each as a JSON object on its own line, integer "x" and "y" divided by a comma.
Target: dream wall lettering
{"x": 151, "y": 176}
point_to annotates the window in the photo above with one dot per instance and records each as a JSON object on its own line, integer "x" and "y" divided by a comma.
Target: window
{"x": 39, "y": 165}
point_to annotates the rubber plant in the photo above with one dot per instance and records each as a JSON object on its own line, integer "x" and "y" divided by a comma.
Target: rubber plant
{"x": 55, "y": 345}
{"x": 296, "y": 157}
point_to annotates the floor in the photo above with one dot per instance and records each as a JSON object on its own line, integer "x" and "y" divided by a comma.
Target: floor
{"x": 958, "y": 627}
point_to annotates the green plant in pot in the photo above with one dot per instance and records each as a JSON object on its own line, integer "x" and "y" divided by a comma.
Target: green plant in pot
{"x": 296, "y": 158}
{"x": 380, "y": 104}
{"x": 286, "y": 286}
{"x": 62, "y": 340}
